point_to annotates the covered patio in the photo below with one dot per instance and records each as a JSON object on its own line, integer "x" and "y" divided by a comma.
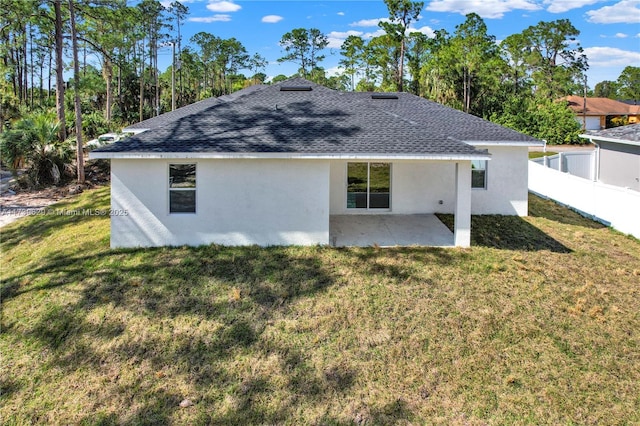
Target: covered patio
{"x": 397, "y": 207}
{"x": 389, "y": 230}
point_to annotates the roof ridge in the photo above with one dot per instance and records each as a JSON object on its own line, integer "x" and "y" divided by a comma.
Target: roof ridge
{"x": 298, "y": 81}
{"x": 319, "y": 120}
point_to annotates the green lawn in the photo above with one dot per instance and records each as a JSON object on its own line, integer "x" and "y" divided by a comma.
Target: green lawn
{"x": 538, "y": 154}
{"x": 539, "y": 322}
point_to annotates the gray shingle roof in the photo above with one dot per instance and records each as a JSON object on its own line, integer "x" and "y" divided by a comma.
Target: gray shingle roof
{"x": 445, "y": 120}
{"x": 320, "y": 121}
{"x": 630, "y": 133}
{"x": 194, "y": 108}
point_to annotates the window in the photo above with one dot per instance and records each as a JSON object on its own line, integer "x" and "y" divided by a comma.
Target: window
{"x": 368, "y": 185}
{"x": 479, "y": 174}
{"x": 182, "y": 188}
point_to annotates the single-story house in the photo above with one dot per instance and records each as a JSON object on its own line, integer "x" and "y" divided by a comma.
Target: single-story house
{"x": 617, "y": 155}
{"x": 600, "y": 111}
{"x": 285, "y": 164}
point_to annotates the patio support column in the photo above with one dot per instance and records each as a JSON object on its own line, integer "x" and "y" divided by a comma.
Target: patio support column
{"x": 462, "y": 211}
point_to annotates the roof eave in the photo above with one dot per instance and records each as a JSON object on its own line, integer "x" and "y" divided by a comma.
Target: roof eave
{"x": 287, "y": 155}
{"x": 136, "y": 130}
{"x": 593, "y": 138}
{"x": 505, "y": 143}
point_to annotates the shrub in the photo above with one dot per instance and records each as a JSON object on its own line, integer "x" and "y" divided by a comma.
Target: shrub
{"x": 33, "y": 142}
{"x": 541, "y": 118}
{"x": 94, "y": 124}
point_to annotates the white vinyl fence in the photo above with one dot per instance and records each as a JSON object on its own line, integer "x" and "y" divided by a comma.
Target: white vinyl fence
{"x": 615, "y": 206}
{"x": 580, "y": 163}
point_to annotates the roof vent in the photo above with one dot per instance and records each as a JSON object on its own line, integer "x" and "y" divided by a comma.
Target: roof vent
{"x": 384, "y": 96}
{"x": 296, "y": 88}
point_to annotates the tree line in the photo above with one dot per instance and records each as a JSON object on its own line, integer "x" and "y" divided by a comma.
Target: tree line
{"x": 126, "y": 41}
{"x": 514, "y": 82}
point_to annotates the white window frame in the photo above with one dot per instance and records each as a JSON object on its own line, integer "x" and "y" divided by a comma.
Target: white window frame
{"x": 368, "y": 209}
{"x": 169, "y": 189}
{"x": 486, "y": 175}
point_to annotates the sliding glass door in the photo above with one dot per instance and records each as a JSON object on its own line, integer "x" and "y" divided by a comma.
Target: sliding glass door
{"x": 368, "y": 185}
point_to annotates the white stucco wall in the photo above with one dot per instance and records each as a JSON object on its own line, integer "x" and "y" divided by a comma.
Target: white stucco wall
{"x": 619, "y": 164}
{"x": 416, "y": 187}
{"x": 419, "y": 186}
{"x": 462, "y": 209}
{"x": 507, "y": 183}
{"x": 288, "y": 201}
{"x": 239, "y": 202}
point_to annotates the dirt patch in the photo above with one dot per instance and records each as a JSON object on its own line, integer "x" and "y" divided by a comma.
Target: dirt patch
{"x": 15, "y": 206}
{"x": 17, "y": 202}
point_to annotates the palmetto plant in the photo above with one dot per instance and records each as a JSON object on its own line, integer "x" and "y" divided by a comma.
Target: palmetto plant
{"x": 33, "y": 142}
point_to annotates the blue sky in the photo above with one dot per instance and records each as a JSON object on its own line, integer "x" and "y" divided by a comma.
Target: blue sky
{"x": 610, "y": 29}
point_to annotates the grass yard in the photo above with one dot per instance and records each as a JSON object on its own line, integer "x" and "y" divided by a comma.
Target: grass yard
{"x": 539, "y": 154}
{"x": 538, "y": 323}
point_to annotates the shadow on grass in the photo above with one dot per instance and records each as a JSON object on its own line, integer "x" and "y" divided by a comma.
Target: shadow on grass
{"x": 55, "y": 217}
{"x": 391, "y": 412}
{"x": 240, "y": 288}
{"x": 394, "y": 412}
{"x": 515, "y": 233}
{"x": 7, "y": 388}
{"x": 9, "y": 290}
{"x": 507, "y": 233}
{"x": 155, "y": 410}
{"x": 549, "y": 209}
{"x": 399, "y": 263}
{"x": 238, "y": 291}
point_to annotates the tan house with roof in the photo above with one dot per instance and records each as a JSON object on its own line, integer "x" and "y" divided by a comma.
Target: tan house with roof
{"x": 600, "y": 112}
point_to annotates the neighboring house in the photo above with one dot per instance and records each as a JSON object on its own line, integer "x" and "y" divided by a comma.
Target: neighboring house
{"x": 271, "y": 165}
{"x": 617, "y": 155}
{"x": 600, "y": 112}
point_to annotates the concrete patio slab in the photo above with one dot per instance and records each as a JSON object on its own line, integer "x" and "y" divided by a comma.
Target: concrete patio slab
{"x": 388, "y": 231}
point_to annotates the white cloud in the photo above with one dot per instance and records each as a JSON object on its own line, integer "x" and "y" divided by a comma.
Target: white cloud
{"x": 341, "y": 13}
{"x": 223, "y": 6}
{"x": 344, "y": 34}
{"x": 335, "y": 43}
{"x": 167, "y": 3}
{"x": 428, "y": 31}
{"x": 610, "y": 56}
{"x": 368, "y": 22}
{"x": 621, "y": 35}
{"x": 210, "y": 19}
{"x": 334, "y": 71}
{"x": 638, "y": 35}
{"x": 272, "y": 19}
{"x": 336, "y": 38}
{"x": 559, "y": 6}
{"x": 376, "y": 33}
{"x": 623, "y": 12}
{"x": 491, "y": 9}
